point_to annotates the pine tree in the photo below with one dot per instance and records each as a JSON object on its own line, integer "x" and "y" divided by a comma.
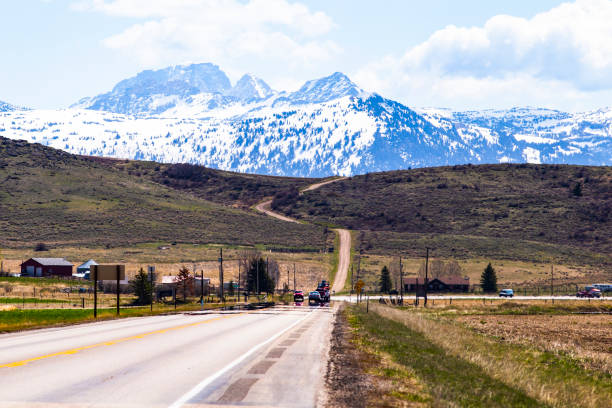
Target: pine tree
{"x": 577, "y": 191}
{"x": 385, "y": 280}
{"x": 488, "y": 279}
{"x": 142, "y": 288}
{"x": 184, "y": 282}
{"x": 266, "y": 283}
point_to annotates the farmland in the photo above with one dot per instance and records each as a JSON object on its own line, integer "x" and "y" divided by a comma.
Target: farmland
{"x": 469, "y": 354}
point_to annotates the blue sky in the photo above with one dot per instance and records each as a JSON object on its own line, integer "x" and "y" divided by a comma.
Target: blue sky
{"x": 457, "y": 54}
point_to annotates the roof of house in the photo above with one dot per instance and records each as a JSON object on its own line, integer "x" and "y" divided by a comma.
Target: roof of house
{"x": 448, "y": 280}
{"x": 169, "y": 279}
{"x": 87, "y": 264}
{"x": 52, "y": 261}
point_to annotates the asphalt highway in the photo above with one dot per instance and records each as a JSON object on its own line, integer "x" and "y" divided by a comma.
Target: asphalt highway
{"x": 409, "y": 298}
{"x": 272, "y": 357}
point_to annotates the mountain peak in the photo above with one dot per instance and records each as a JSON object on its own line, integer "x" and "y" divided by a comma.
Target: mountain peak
{"x": 334, "y": 86}
{"x": 155, "y": 91}
{"x": 7, "y": 107}
{"x": 250, "y": 87}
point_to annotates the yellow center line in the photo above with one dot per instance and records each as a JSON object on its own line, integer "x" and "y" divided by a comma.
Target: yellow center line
{"x": 113, "y": 342}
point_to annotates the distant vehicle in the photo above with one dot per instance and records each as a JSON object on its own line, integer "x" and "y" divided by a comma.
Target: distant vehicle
{"x": 314, "y": 297}
{"x": 604, "y": 287}
{"x": 590, "y": 293}
{"x": 298, "y": 296}
{"x": 506, "y": 293}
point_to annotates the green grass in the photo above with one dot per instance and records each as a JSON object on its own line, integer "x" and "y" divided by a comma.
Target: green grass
{"x": 30, "y": 281}
{"x": 448, "y": 357}
{"x": 449, "y": 379}
{"x": 15, "y": 320}
{"x": 32, "y": 300}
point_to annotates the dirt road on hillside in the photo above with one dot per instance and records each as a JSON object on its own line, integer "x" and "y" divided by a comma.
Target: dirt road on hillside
{"x": 344, "y": 250}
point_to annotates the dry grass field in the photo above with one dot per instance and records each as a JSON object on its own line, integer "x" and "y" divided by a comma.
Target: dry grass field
{"x": 310, "y": 267}
{"x": 514, "y": 274}
{"x": 587, "y": 338}
{"x": 494, "y": 355}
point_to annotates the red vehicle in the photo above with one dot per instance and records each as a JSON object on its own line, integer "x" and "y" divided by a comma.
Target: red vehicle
{"x": 298, "y": 296}
{"x": 591, "y": 293}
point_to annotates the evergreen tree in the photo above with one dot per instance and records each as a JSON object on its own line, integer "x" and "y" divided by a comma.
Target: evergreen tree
{"x": 141, "y": 285}
{"x": 230, "y": 288}
{"x": 184, "y": 282}
{"x": 266, "y": 283}
{"x": 385, "y": 280}
{"x": 488, "y": 279}
{"x": 577, "y": 191}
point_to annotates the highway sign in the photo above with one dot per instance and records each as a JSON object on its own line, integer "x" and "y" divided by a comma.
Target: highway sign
{"x": 109, "y": 272}
{"x": 359, "y": 285}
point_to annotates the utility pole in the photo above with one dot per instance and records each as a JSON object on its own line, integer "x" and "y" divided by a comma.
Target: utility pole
{"x": 287, "y": 278}
{"x": 221, "y": 274}
{"x": 238, "y": 279}
{"x": 202, "y": 288}
{"x": 95, "y": 282}
{"x": 257, "y": 277}
{"x": 401, "y": 281}
{"x": 294, "y": 277}
{"x": 552, "y": 285}
{"x": 352, "y": 279}
{"x": 118, "y": 287}
{"x": 267, "y": 270}
{"x": 151, "y": 269}
{"x": 426, "y": 278}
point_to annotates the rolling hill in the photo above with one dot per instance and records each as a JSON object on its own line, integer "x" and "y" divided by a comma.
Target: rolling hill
{"x": 515, "y": 211}
{"x": 50, "y": 196}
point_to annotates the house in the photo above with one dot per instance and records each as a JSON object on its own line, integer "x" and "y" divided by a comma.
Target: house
{"x": 84, "y": 270}
{"x": 86, "y": 267}
{"x": 444, "y": 284}
{"x": 46, "y": 267}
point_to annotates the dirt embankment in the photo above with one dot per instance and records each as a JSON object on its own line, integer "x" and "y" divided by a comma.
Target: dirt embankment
{"x": 348, "y": 386}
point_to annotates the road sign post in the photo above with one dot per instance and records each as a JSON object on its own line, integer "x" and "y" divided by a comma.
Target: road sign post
{"x": 118, "y": 287}
{"x": 151, "y": 270}
{"x": 95, "y": 283}
{"x": 358, "y": 287}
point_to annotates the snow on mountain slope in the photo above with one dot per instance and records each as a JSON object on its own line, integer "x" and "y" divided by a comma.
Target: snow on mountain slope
{"x": 250, "y": 87}
{"x": 329, "y": 126}
{"x": 152, "y": 92}
{"x": 7, "y": 107}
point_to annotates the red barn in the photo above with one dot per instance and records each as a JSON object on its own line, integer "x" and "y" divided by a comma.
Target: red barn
{"x": 46, "y": 267}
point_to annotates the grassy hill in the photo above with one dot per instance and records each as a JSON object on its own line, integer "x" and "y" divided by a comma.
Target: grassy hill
{"x": 61, "y": 199}
{"x": 531, "y": 212}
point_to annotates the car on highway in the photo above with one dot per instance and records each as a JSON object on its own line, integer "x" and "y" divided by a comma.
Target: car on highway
{"x": 298, "y": 296}
{"x": 506, "y": 293}
{"x": 590, "y": 293}
{"x": 314, "y": 297}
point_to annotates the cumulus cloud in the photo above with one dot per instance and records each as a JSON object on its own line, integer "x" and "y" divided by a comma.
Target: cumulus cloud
{"x": 227, "y": 32}
{"x": 565, "y": 53}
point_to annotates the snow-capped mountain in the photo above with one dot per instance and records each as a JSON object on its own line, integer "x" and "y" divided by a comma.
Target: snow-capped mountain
{"x": 153, "y": 92}
{"x": 250, "y": 87}
{"x": 7, "y": 107}
{"x": 329, "y": 126}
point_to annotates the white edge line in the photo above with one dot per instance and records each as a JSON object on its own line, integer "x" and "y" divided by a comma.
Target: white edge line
{"x": 208, "y": 380}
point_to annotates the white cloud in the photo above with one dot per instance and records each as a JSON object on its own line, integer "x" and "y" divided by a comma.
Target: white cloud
{"x": 230, "y": 33}
{"x": 562, "y": 56}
